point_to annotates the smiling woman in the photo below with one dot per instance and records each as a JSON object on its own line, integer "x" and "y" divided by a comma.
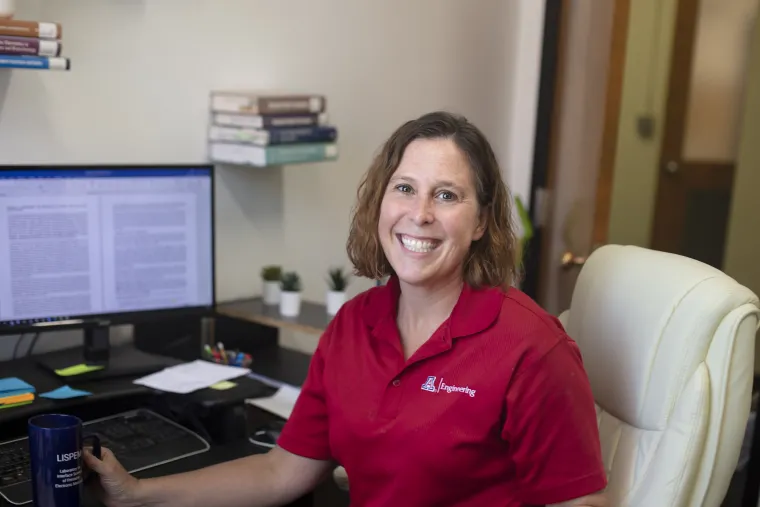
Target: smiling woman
{"x": 437, "y": 163}
{"x": 446, "y": 386}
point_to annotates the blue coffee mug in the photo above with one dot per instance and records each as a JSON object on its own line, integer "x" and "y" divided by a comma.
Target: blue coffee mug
{"x": 55, "y": 451}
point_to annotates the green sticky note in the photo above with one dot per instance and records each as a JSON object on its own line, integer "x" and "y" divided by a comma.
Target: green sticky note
{"x": 77, "y": 369}
{"x": 15, "y": 404}
{"x": 223, "y": 385}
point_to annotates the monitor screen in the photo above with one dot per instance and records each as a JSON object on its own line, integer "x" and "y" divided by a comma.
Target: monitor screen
{"x": 84, "y": 242}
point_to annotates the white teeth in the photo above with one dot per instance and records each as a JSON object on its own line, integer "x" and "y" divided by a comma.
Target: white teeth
{"x": 418, "y": 245}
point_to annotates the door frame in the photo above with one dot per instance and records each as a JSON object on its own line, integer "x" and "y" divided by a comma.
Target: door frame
{"x": 667, "y": 223}
{"x": 549, "y": 77}
{"x": 545, "y": 163}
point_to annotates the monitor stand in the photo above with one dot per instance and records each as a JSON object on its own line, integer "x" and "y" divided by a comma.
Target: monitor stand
{"x": 108, "y": 361}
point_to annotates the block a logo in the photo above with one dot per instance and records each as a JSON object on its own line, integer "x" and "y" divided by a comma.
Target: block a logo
{"x": 429, "y": 385}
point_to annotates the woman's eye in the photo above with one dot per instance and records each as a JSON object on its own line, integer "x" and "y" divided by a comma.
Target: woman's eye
{"x": 447, "y": 196}
{"x": 404, "y": 188}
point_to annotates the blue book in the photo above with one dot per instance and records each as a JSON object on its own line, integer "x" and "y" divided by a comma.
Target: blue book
{"x": 34, "y": 62}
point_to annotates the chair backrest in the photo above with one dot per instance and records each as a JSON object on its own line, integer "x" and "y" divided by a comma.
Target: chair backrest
{"x": 668, "y": 343}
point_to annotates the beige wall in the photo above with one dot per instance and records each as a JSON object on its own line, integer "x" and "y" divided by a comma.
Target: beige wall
{"x": 379, "y": 63}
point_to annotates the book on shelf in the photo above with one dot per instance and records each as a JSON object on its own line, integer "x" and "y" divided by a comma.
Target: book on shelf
{"x": 26, "y": 28}
{"x": 262, "y": 156}
{"x": 259, "y": 121}
{"x": 262, "y": 102}
{"x": 14, "y": 45}
{"x": 272, "y": 136}
{"x": 265, "y": 128}
{"x": 34, "y": 62}
{"x": 28, "y": 44}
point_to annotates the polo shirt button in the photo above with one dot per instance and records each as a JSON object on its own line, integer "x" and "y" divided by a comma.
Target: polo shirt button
{"x": 396, "y": 383}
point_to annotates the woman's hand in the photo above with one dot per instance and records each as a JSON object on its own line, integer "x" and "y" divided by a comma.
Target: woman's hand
{"x": 114, "y": 485}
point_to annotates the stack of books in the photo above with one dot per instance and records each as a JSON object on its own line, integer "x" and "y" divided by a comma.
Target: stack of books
{"x": 270, "y": 128}
{"x": 31, "y": 45}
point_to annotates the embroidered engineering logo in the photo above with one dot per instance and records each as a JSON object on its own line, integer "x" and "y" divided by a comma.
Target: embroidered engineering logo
{"x": 430, "y": 386}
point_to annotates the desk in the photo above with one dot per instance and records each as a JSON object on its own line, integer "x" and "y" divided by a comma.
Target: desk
{"x": 103, "y": 392}
{"x": 117, "y": 395}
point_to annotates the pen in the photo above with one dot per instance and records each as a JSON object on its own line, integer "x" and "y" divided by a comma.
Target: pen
{"x": 220, "y": 346}
{"x": 208, "y": 352}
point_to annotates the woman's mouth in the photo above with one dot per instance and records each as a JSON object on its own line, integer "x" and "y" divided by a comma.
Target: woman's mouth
{"x": 418, "y": 245}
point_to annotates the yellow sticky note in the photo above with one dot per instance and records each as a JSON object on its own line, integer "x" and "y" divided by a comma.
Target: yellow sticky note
{"x": 12, "y": 400}
{"x": 77, "y": 369}
{"x": 223, "y": 385}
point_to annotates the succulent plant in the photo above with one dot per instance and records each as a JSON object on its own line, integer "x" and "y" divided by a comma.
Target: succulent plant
{"x": 337, "y": 280}
{"x": 271, "y": 273}
{"x": 290, "y": 282}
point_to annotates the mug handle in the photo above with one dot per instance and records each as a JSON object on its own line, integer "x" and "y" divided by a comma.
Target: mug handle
{"x": 95, "y": 444}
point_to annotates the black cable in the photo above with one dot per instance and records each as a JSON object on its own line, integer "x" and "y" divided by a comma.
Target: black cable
{"x": 18, "y": 344}
{"x": 31, "y": 345}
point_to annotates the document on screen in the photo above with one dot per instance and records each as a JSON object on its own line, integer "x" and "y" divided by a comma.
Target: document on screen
{"x": 148, "y": 250}
{"x": 48, "y": 255}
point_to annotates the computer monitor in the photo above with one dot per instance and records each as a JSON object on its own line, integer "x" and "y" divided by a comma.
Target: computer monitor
{"x": 95, "y": 246}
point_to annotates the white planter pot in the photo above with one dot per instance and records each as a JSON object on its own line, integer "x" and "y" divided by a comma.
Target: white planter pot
{"x": 290, "y": 304}
{"x": 271, "y": 293}
{"x": 335, "y": 300}
{"x": 7, "y": 8}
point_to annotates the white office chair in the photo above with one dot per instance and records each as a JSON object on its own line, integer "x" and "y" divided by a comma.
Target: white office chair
{"x": 668, "y": 344}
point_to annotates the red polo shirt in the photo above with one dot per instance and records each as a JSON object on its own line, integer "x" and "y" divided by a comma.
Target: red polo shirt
{"x": 494, "y": 410}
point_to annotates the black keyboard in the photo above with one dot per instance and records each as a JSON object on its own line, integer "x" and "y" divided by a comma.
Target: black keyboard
{"x": 140, "y": 439}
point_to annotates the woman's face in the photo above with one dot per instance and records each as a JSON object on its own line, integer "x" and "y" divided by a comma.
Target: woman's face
{"x": 429, "y": 215}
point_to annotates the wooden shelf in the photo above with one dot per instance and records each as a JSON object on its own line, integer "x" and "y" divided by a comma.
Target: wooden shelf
{"x": 313, "y": 318}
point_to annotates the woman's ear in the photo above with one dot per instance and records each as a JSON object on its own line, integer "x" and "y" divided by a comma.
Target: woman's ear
{"x": 480, "y": 229}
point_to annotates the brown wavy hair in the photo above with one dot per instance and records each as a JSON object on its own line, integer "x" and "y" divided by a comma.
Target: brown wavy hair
{"x": 492, "y": 261}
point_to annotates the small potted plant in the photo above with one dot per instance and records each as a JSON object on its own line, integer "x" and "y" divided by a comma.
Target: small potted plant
{"x": 271, "y": 276}
{"x": 337, "y": 281}
{"x": 290, "y": 294}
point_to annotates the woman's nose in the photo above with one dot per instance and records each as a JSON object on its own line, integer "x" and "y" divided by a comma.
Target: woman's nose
{"x": 423, "y": 211}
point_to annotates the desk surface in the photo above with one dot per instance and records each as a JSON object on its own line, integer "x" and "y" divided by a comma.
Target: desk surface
{"x": 274, "y": 362}
{"x": 44, "y": 381}
{"x": 114, "y": 395}
{"x": 313, "y": 318}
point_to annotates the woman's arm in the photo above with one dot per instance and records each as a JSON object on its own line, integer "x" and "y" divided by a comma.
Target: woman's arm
{"x": 552, "y": 432}
{"x": 262, "y": 480}
{"x": 271, "y": 479}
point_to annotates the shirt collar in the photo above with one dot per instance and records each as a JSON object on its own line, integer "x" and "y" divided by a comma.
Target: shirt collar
{"x": 475, "y": 310}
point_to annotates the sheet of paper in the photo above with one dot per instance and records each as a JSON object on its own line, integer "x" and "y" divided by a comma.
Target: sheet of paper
{"x": 64, "y": 393}
{"x": 190, "y": 377}
{"x": 14, "y": 384}
{"x": 280, "y": 403}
